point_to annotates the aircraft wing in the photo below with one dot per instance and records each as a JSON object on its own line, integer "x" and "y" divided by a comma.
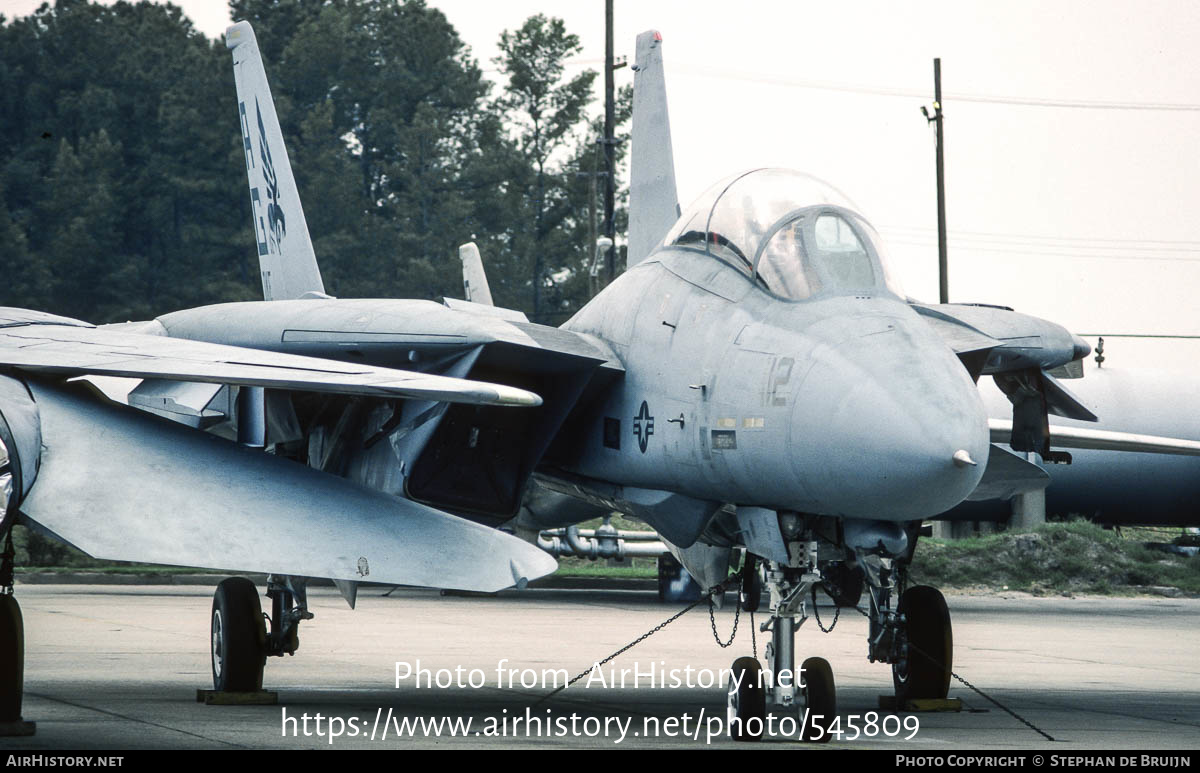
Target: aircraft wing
{"x": 120, "y": 484}
{"x": 39, "y": 343}
{"x": 1086, "y": 438}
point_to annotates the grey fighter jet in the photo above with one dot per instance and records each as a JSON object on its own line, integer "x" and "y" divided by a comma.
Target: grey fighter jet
{"x": 756, "y": 380}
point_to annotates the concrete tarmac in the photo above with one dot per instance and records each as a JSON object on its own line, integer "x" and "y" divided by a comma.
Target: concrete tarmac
{"x": 117, "y": 667}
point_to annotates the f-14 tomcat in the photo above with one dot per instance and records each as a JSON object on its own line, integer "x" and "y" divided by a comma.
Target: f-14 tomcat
{"x": 756, "y": 379}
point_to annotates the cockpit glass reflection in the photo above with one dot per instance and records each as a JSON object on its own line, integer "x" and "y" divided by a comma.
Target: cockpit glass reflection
{"x": 792, "y": 234}
{"x": 841, "y": 251}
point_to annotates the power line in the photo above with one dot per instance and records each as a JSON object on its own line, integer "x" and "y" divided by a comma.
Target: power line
{"x": 990, "y": 99}
{"x": 1077, "y": 255}
{"x": 1140, "y": 335}
{"x": 1043, "y": 237}
{"x": 1075, "y": 247}
{"x": 1099, "y": 247}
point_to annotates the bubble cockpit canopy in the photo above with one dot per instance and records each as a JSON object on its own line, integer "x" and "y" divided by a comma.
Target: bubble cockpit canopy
{"x": 797, "y": 236}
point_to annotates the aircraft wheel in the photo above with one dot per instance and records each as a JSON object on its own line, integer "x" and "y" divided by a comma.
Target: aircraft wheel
{"x": 844, "y": 584}
{"x": 746, "y": 702}
{"x": 925, "y": 673}
{"x": 12, "y": 659}
{"x": 238, "y": 637}
{"x": 820, "y": 700}
{"x": 751, "y": 585}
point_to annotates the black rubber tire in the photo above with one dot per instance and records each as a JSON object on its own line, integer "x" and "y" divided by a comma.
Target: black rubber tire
{"x": 820, "y": 700}
{"x": 844, "y": 585}
{"x": 746, "y": 701}
{"x": 751, "y": 585}
{"x": 12, "y": 659}
{"x": 238, "y": 637}
{"x": 926, "y": 674}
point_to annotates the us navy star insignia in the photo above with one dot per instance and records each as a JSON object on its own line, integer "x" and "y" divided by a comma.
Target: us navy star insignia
{"x": 643, "y": 426}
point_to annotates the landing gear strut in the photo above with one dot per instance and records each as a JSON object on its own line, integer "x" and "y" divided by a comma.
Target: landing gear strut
{"x": 240, "y": 639}
{"x": 789, "y": 586}
{"x": 910, "y": 628}
{"x": 12, "y": 649}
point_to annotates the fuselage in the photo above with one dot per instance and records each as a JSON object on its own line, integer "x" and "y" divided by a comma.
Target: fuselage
{"x": 847, "y": 405}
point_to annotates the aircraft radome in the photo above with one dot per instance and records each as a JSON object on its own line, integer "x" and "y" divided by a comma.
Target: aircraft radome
{"x": 756, "y": 379}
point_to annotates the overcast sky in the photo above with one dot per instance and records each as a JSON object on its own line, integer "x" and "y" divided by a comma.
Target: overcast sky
{"x": 1072, "y": 133}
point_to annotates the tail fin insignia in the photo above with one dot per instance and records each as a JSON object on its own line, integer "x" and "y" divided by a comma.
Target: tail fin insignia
{"x": 286, "y": 258}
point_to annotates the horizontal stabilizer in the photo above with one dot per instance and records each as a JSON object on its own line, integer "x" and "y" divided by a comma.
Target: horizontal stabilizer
{"x": 1060, "y": 401}
{"x": 78, "y": 349}
{"x": 1086, "y": 438}
{"x": 122, "y": 485}
{"x": 485, "y": 310}
{"x": 1006, "y": 475}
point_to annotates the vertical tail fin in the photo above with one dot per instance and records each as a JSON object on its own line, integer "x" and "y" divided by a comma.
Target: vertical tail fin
{"x": 653, "y": 201}
{"x": 285, "y": 252}
{"x": 475, "y": 283}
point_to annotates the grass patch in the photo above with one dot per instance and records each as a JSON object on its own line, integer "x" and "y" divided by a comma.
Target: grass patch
{"x": 1072, "y": 557}
{"x": 639, "y": 568}
{"x": 601, "y": 570}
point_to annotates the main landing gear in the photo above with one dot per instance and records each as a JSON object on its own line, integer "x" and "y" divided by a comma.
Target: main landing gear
{"x": 909, "y": 627}
{"x": 809, "y": 692}
{"x": 924, "y": 670}
{"x": 12, "y": 646}
{"x": 240, "y": 639}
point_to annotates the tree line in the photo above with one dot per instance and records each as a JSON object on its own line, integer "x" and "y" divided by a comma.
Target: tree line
{"x": 122, "y": 179}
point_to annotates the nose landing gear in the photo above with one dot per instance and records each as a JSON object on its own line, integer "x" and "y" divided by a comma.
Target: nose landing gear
{"x": 813, "y": 684}
{"x": 909, "y": 627}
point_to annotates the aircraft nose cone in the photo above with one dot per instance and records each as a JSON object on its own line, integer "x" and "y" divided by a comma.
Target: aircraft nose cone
{"x": 886, "y": 437}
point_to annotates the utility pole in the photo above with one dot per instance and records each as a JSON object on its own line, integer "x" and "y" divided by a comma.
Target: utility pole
{"x": 941, "y": 529}
{"x": 609, "y": 142}
{"x": 943, "y": 273}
